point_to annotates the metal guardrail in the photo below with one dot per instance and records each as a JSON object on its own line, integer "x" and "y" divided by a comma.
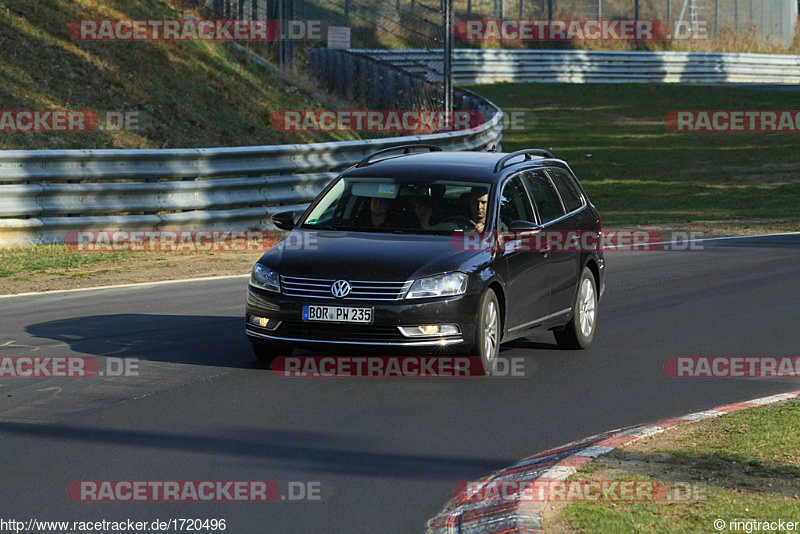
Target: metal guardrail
{"x": 45, "y": 194}
{"x": 594, "y": 66}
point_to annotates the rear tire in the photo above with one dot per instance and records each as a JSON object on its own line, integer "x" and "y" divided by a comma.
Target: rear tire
{"x": 266, "y": 352}
{"x": 579, "y": 332}
{"x": 489, "y": 329}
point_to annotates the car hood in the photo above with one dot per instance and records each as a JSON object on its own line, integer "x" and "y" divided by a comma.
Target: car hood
{"x": 368, "y": 256}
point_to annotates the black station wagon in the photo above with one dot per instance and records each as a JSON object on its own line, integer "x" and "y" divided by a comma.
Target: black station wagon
{"x": 416, "y": 247}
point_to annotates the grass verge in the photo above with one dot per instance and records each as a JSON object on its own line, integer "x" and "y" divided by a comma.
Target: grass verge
{"x": 53, "y": 267}
{"x": 637, "y": 172}
{"x": 185, "y": 93}
{"x": 743, "y": 466}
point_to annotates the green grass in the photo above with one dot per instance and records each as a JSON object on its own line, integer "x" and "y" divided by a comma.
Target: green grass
{"x": 50, "y": 259}
{"x": 757, "y": 441}
{"x": 187, "y": 94}
{"x": 695, "y": 517}
{"x": 639, "y": 172}
{"x": 748, "y": 463}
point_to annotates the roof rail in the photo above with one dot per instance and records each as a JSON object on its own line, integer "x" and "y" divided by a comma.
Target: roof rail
{"x": 527, "y": 153}
{"x": 405, "y": 148}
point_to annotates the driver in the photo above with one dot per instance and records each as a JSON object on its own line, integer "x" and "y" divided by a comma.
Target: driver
{"x": 478, "y": 202}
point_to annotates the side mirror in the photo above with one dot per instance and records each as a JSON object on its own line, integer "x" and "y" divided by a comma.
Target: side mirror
{"x": 524, "y": 226}
{"x": 284, "y": 220}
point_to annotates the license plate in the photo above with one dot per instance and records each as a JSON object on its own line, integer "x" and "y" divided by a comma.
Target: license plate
{"x": 337, "y": 314}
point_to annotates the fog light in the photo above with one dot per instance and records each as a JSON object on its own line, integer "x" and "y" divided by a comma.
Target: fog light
{"x": 429, "y": 330}
{"x": 259, "y": 321}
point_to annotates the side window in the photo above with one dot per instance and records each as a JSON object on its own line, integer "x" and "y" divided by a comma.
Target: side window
{"x": 566, "y": 185}
{"x": 514, "y": 203}
{"x": 545, "y": 195}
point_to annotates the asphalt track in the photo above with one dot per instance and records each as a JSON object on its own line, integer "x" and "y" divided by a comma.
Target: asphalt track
{"x": 386, "y": 451}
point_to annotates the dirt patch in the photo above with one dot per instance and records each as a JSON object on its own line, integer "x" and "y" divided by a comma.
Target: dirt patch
{"x": 135, "y": 268}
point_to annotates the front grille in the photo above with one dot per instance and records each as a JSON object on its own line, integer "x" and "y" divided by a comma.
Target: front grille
{"x": 317, "y": 288}
{"x": 336, "y": 332}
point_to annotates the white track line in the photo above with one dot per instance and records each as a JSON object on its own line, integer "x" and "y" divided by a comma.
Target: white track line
{"x": 138, "y": 284}
{"x": 689, "y": 241}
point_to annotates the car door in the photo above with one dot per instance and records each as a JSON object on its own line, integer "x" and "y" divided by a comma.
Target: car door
{"x": 560, "y": 229}
{"x": 528, "y": 284}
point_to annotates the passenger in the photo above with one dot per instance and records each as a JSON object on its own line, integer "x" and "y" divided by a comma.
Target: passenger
{"x": 379, "y": 210}
{"x": 423, "y": 209}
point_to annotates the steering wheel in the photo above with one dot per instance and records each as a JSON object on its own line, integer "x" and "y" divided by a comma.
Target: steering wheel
{"x": 460, "y": 220}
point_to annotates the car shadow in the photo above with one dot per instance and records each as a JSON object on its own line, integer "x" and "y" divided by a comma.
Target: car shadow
{"x": 186, "y": 339}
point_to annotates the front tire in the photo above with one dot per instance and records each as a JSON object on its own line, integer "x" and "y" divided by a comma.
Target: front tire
{"x": 579, "y": 332}
{"x": 266, "y": 352}
{"x": 487, "y": 338}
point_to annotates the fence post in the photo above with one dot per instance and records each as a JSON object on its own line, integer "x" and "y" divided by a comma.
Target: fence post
{"x": 636, "y": 9}
{"x": 669, "y": 12}
{"x": 549, "y": 9}
{"x": 716, "y": 17}
{"x": 521, "y": 9}
{"x": 447, "y": 67}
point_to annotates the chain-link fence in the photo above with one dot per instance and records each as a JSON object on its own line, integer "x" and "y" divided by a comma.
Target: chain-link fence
{"x": 770, "y": 20}
{"x": 418, "y": 24}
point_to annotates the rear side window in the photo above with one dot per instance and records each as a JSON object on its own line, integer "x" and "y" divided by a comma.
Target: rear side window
{"x": 514, "y": 203}
{"x": 545, "y": 195}
{"x": 566, "y": 185}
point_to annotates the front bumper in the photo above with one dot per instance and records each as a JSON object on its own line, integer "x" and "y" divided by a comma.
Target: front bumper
{"x": 383, "y": 332}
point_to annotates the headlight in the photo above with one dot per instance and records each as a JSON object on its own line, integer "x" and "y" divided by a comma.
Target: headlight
{"x": 443, "y": 285}
{"x": 265, "y": 278}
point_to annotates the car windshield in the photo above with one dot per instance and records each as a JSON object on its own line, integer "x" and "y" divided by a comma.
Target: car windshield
{"x": 400, "y": 206}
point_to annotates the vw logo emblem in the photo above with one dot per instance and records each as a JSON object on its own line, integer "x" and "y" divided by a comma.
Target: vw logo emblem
{"x": 341, "y": 288}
